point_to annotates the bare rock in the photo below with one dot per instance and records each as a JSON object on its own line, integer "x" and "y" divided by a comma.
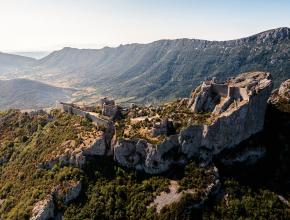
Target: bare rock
{"x": 284, "y": 90}
{"x": 97, "y": 148}
{"x": 237, "y": 109}
{"x": 68, "y": 191}
{"x": 125, "y": 153}
{"x": 174, "y": 195}
{"x": 76, "y": 156}
{"x": 233, "y": 122}
{"x": 141, "y": 155}
{"x": 43, "y": 209}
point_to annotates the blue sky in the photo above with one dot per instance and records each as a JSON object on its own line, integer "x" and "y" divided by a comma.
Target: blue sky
{"x": 53, "y": 24}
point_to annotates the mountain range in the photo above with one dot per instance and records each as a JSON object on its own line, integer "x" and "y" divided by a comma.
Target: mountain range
{"x": 158, "y": 71}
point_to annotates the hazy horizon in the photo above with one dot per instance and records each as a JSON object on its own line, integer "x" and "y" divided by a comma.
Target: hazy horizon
{"x": 33, "y": 26}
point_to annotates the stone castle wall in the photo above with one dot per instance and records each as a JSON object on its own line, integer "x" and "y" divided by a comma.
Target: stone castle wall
{"x": 71, "y": 109}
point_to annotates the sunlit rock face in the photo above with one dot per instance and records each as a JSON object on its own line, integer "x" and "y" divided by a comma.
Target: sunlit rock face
{"x": 284, "y": 90}
{"x": 237, "y": 108}
{"x": 43, "y": 209}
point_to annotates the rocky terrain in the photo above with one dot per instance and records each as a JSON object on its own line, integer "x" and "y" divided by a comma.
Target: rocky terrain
{"x": 183, "y": 159}
{"x": 237, "y": 110}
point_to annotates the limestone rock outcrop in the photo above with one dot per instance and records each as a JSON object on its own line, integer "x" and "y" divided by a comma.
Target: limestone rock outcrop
{"x": 43, "y": 210}
{"x": 64, "y": 193}
{"x": 284, "y": 90}
{"x": 237, "y": 109}
{"x": 282, "y": 94}
{"x": 141, "y": 155}
{"x": 71, "y": 191}
{"x": 73, "y": 155}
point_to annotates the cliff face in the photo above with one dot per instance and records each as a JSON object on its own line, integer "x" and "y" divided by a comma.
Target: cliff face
{"x": 237, "y": 111}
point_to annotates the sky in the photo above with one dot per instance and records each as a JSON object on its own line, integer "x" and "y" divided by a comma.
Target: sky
{"x": 46, "y": 25}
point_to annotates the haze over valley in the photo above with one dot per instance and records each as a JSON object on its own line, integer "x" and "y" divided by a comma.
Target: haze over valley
{"x": 158, "y": 71}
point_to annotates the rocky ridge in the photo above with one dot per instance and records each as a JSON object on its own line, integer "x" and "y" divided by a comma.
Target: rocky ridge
{"x": 66, "y": 193}
{"x": 237, "y": 109}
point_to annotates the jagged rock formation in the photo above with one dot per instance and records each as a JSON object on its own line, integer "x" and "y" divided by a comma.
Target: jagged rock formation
{"x": 236, "y": 114}
{"x": 282, "y": 93}
{"x": 65, "y": 193}
{"x": 93, "y": 145}
{"x": 237, "y": 109}
{"x": 43, "y": 209}
{"x": 284, "y": 90}
{"x": 72, "y": 191}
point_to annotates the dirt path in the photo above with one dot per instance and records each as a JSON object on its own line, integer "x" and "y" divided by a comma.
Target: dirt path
{"x": 167, "y": 198}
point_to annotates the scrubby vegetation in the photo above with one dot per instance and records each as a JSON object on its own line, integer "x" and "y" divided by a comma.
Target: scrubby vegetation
{"x": 112, "y": 192}
{"x": 26, "y": 141}
{"x": 196, "y": 177}
{"x": 139, "y": 121}
{"x": 242, "y": 202}
{"x": 109, "y": 191}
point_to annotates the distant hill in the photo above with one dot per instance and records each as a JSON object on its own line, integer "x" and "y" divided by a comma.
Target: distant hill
{"x": 28, "y": 94}
{"x": 32, "y": 54}
{"x": 164, "y": 69}
{"x": 13, "y": 63}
